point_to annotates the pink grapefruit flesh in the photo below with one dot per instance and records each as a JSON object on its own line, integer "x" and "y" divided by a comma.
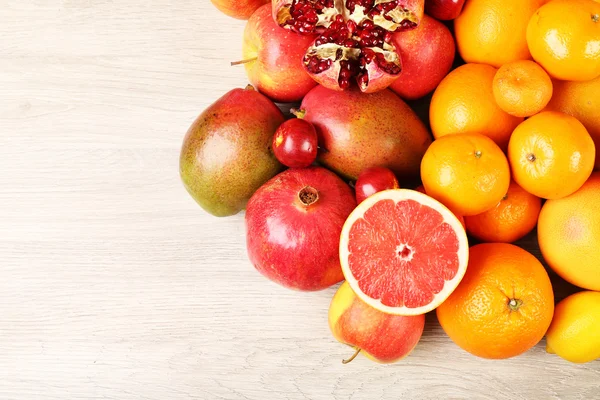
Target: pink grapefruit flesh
{"x": 402, "y": 252}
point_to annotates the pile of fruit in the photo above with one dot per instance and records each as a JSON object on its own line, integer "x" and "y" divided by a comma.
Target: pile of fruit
{"x": 515, "y": 118}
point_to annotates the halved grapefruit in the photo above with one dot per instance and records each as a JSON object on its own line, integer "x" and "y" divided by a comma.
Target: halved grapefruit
{"x": 402, "y": 252}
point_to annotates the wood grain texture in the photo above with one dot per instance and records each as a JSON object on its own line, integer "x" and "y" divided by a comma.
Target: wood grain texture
{"x": 115, "y": 285}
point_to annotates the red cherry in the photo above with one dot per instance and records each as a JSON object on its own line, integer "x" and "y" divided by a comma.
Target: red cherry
{"x": 295, "y": 143}
{"x": 373, "y": 180}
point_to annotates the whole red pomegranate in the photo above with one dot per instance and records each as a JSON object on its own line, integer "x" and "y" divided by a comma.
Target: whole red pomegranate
{"x": 357, "y": 131}
{"x": 273, "y": 58}
{"x": 355, "y": 40}
{"x": 293, "y": 226}
{"x": 427, "y": 54}
{"x": 240, "y": 9}
{"x": 373, "y": 180}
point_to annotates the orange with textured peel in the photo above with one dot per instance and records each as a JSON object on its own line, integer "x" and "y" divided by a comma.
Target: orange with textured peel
{"x": 504, "y": 304}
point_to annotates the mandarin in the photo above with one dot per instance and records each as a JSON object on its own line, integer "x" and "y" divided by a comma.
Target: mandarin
{"x": 464, "y": 103}
{"x": 511, "y": 219}
{"x": 522, "y": 88}
{"x": 564, "y": 38}
{"x": 551, "y": 155}
{"x": 468, "y": 173}
{"x": 581, "y": 100}
{"x": 493, "y": 31}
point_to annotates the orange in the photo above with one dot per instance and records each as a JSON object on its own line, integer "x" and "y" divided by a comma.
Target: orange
{"x": 513, "y": 217}
{"x": 569, "y": 235}
{"x": 504, "y": 304}
{"x": 522, "y": 88}
{"x": 564, "y": 38}
{"x": 581, "y": 100}
{"x": 493, "y": 31}
{"x": 468, "y": 173}
{"x": 464, "y": 103}
{"x": 551, "y": 155}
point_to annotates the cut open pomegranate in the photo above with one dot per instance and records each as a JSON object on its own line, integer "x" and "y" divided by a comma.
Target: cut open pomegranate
{"x": 309, "y": 16}
{"x": 355, "y": 40}
{"x": 346, "y": 51}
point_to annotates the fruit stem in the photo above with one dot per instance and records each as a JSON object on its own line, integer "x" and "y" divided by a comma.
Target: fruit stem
{"x": 515, "y": 304}
{"x": 478, "y": 154}
{"x": 351, "y": 358}
{"x": 531, "y": 157}
{"x": 595, "y": 17}
{"x": 298, "y": 113}
{"x": 246, "y": 61}
{"x": 308, "y": 195}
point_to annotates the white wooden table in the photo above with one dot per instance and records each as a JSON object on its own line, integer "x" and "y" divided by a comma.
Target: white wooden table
{"x": 114, "y": 284}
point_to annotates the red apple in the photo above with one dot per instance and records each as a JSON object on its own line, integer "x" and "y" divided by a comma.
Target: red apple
{"x": 293, "y": 226}
{"x": 427, "y": 55}
{"x": 382, "y": 337}
{"x": 240, "y": 9}
{"x": 273, "y": 58}
{"x": 444, "y": 10}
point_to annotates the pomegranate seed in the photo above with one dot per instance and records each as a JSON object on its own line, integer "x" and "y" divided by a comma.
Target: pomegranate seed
{"x": 351, "y": 26}
{"x": 363, "y": 80}
{"x": 406, "y": 24}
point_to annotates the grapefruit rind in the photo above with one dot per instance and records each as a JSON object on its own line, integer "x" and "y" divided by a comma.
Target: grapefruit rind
{"x": 398, "y": 195}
